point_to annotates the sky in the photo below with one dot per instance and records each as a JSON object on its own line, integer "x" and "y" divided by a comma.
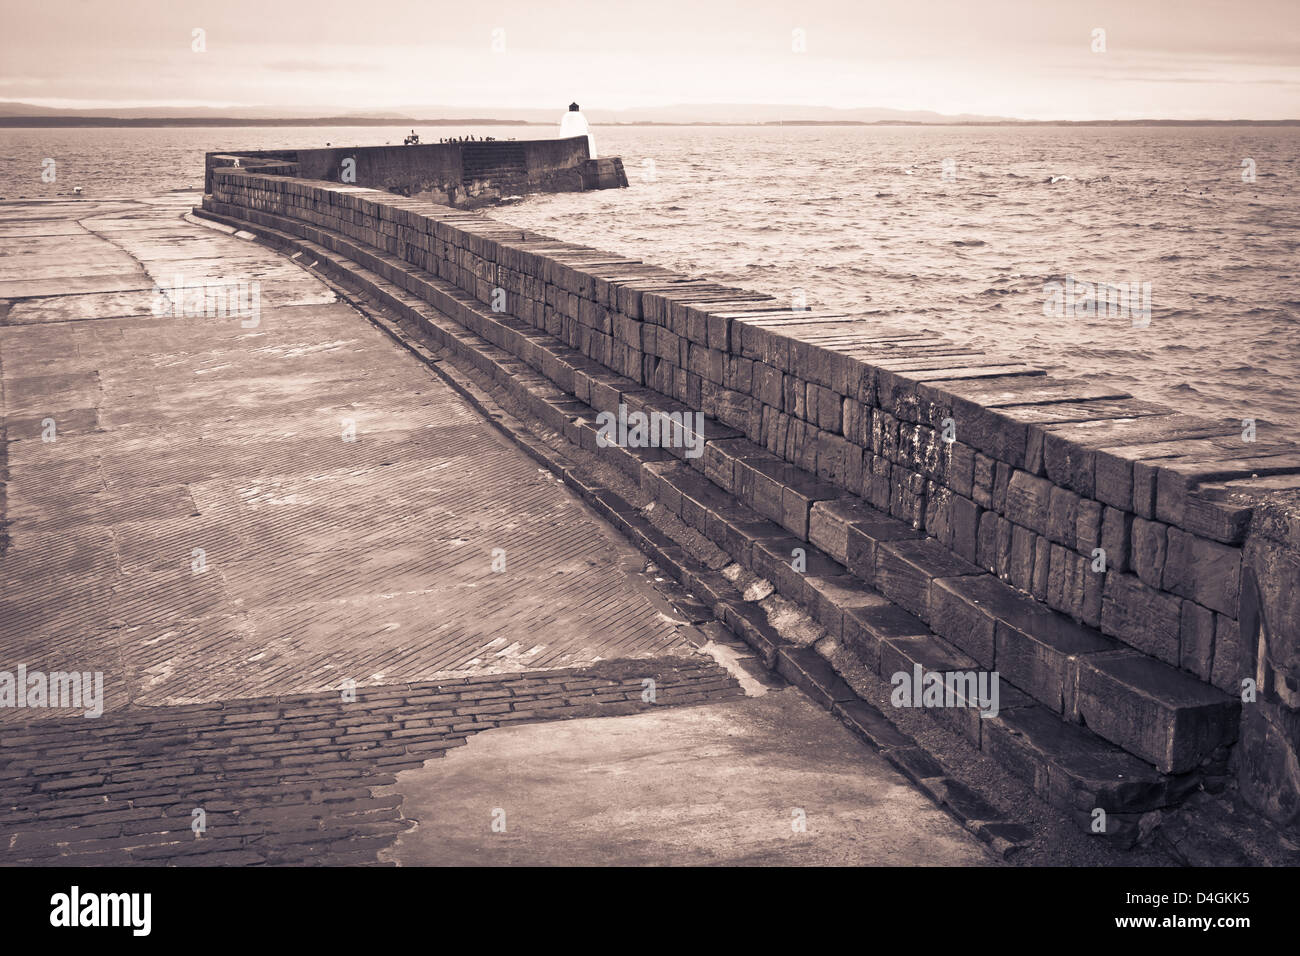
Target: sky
{"x": 1030, "y": 59}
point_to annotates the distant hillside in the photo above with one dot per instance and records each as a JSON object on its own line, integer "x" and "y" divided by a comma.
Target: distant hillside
{"x": 14, "y": 114}
{"x": 430, "y": 114}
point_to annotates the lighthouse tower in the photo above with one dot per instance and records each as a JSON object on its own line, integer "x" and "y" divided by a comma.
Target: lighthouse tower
{"x": 573, "y": 123}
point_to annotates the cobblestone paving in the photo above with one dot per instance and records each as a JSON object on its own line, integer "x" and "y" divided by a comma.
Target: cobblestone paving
{"x": 282, "y": 780}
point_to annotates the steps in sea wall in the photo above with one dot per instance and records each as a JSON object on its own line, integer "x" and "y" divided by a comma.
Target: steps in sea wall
{"x": 1109, "y": 779}
{"x": 825, "y": 410}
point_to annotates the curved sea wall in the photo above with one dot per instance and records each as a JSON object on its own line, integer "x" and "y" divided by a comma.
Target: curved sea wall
{"x": 1130, "y": 572}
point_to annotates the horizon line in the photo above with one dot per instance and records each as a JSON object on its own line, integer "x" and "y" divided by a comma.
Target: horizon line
{"x": 75, "y": 120}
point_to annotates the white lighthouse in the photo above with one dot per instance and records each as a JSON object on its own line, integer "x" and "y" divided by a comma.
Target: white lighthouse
{"x": 573, "y": 123}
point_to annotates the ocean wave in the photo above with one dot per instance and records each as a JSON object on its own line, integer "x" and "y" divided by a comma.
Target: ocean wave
{"x": 917, "y": 254}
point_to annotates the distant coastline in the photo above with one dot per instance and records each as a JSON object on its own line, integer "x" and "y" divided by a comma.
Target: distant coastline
{"x": 49, "y": 122}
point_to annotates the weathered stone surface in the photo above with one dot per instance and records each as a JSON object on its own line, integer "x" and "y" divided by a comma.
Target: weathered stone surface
{"x": 1155, "y": 712}
{"x": 984, "y": 429}
{"x": 964, "y": 518}
{"x": 871, "y": 725}
{"x": 813, "y": 674}
{"x": 865, "y": 534}
{"x": 1067, "y": 581}
{"x": 1027, "y": 501}
{"x": 1094, "y": 585}
{"x": 1068, "y": 766}
{"x": 982, "y": 480}
{"x": 1178, "y": 477}
{"x": 1270, "y": 613}
{"x": 1068, "y": 464}
{"x": 1001, "y": 480}
{"x": 1116, "y": 531}
{"x": 901, "y": 655}
{"x": 1149, "y": 543}
{"x": 831, "y": 521}
{"x": 1196, "y": 638}
{"x": 1205, "y": 571}
{"x": 1229, "y": 666}
{"x": 831, "y": 597}
{"x": 789, "y": 564}
{"x": 760, "y": 486}
{"x": 1269, "y": 769}
{"x": 1113, "y": 480}
{"x": 1025, "y": 391}
{"x": 898, "y": 655}
{"x": 904, "y": 570}
{"x": 1141, "y": 617}
{"x": 1021, "y": 570}
{"x": 1036, "y": 648}
{"x": 1042, "y": 568}
{"x": 1062, "y": 517}
{"x": 958, "y": 618}
{"x": 1210, "y": 513}
{"x": 938, "y": 513}
{"x": 1087, "y": 527}
{"x": 866, "y": 627}
{"x": 960, "y": 467}
{"x": 986, "y": 543}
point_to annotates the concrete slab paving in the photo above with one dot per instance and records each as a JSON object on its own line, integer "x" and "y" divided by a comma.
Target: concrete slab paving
{"x": 322, "y": 475}
{"x": 80, "y": 308}
{"x": 68, "y": 283}
{"x": 772, "y": 780}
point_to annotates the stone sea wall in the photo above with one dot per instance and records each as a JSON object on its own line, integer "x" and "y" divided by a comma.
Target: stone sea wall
{"x": 459, "y": 173}
{"x": 1174, "y": 536}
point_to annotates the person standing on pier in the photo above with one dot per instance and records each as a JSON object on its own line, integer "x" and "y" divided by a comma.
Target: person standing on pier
{"x": 573, "y": 123}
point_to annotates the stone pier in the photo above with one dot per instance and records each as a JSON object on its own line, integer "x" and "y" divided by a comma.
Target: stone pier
{"x": 1127, "y": 570}
{"x": 462, "y": 174}
{"x": 307, "y": 565}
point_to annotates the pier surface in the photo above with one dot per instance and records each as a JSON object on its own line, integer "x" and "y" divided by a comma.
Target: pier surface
{"x": 306, "y": 567}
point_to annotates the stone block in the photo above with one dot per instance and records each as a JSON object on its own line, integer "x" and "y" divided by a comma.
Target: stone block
{"x": 982, "y": 480}
{"x": 1142, "y": 617}
{"x": 964, "y": 519}
{"x": 1062, "y": 517}
{"x": 866, "y": 533}
{"x": 1196, "y": 640}
{"x": 1205, "y": 571}
{"x": 1149, "y": 551}
{"x": 904, "y": 570}
{"x": 1069, "y": 464}
{"x": 964, "y": 624}
{"x": 1021, "y": 571}
{"x": 1028, "y": 501}
{"x": 1157, "y": 713}
{"x": 1229, "y": 656}
{"x": 1087, "y": 526}
{"x": 1116, "y": 535}
{"x": 865, "y": 628}
{"x": 831, "y": 522}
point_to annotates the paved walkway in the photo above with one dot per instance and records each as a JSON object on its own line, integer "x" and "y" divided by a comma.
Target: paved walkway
{"x": 237, "y": 519}
{"x": 292, "y": 505}
{"x": 752, "y": 782}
